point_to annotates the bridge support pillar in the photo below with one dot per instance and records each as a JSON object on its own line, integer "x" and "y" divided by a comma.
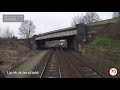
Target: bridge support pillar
{"x": 72, "y": 43}
{"x": 37, "y": 44}
{"x": 33, "y": 42}
{"x": 40, "y": 44}
{"x": 82, "y": 36}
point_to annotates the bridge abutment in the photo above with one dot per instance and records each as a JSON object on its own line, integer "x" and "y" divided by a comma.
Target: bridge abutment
{"x": 37, "y": 44}
{"x": 33, "y": 43}
{"x": 40, "y": 44}
{"x": 77, "y": 42}
{"x": 82, "y": 36}
{"x": 72, "y": 43}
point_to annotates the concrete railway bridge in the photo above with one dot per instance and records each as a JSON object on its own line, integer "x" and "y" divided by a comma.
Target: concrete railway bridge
{"x": 73, "y": 35}
{"x": 76, "y": 37}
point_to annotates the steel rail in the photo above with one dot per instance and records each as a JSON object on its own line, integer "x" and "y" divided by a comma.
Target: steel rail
{"x": 88, "y": 65}
{"x": 46, "y": 64}
{"x": 59, "y": 64}
{"x": 74, "y": 65}
{"x": 84, "y": 64}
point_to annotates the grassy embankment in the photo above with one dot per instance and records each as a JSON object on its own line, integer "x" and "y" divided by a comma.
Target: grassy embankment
{"x": 105, "y": 52}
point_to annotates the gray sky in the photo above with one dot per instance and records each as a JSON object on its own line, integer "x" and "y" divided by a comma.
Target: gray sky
{"x": 46, "y": 21}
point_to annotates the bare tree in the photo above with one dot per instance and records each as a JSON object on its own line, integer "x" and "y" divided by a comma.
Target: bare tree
{"x": 27, "y": 29}
{"x": 77, "y": 19}
{"x": 89, "y": 17}
{"x": 8, "y": 34}
{"x": 0, "y": 32}
{"x": 40, "y": 33}
{"x": 116, "y": 14}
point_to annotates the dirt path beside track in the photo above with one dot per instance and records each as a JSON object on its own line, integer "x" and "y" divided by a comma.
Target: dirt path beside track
{"x": 27, "y": 66}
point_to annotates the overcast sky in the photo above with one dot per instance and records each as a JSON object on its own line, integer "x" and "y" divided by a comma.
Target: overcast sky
{"x": 46, "y": 21}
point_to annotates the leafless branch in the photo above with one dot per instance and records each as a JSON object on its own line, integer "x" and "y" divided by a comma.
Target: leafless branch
{"x": 89, "y": 17}
{"x": 27, "y": 29}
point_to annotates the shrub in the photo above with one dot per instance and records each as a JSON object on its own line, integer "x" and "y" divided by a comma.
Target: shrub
{"x": 105, "y": 42}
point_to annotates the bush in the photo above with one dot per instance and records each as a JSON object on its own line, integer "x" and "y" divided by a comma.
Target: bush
{"x": 105, "y": 42}
{"x": 101, "y": 42}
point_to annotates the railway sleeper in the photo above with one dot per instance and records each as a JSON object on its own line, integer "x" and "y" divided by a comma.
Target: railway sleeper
{"x": 92, "y": 75}
{"x": 49, "y": 71}
{"x": 95, "y": 76}
{"x": 52, "y": 67}
{"x": 50, "y": 76}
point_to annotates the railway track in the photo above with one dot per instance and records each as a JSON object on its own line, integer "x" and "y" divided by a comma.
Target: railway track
{"x": 86, "y": 70}
{"x": 93, "y": 69}
{"x": 51, "y": 68}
